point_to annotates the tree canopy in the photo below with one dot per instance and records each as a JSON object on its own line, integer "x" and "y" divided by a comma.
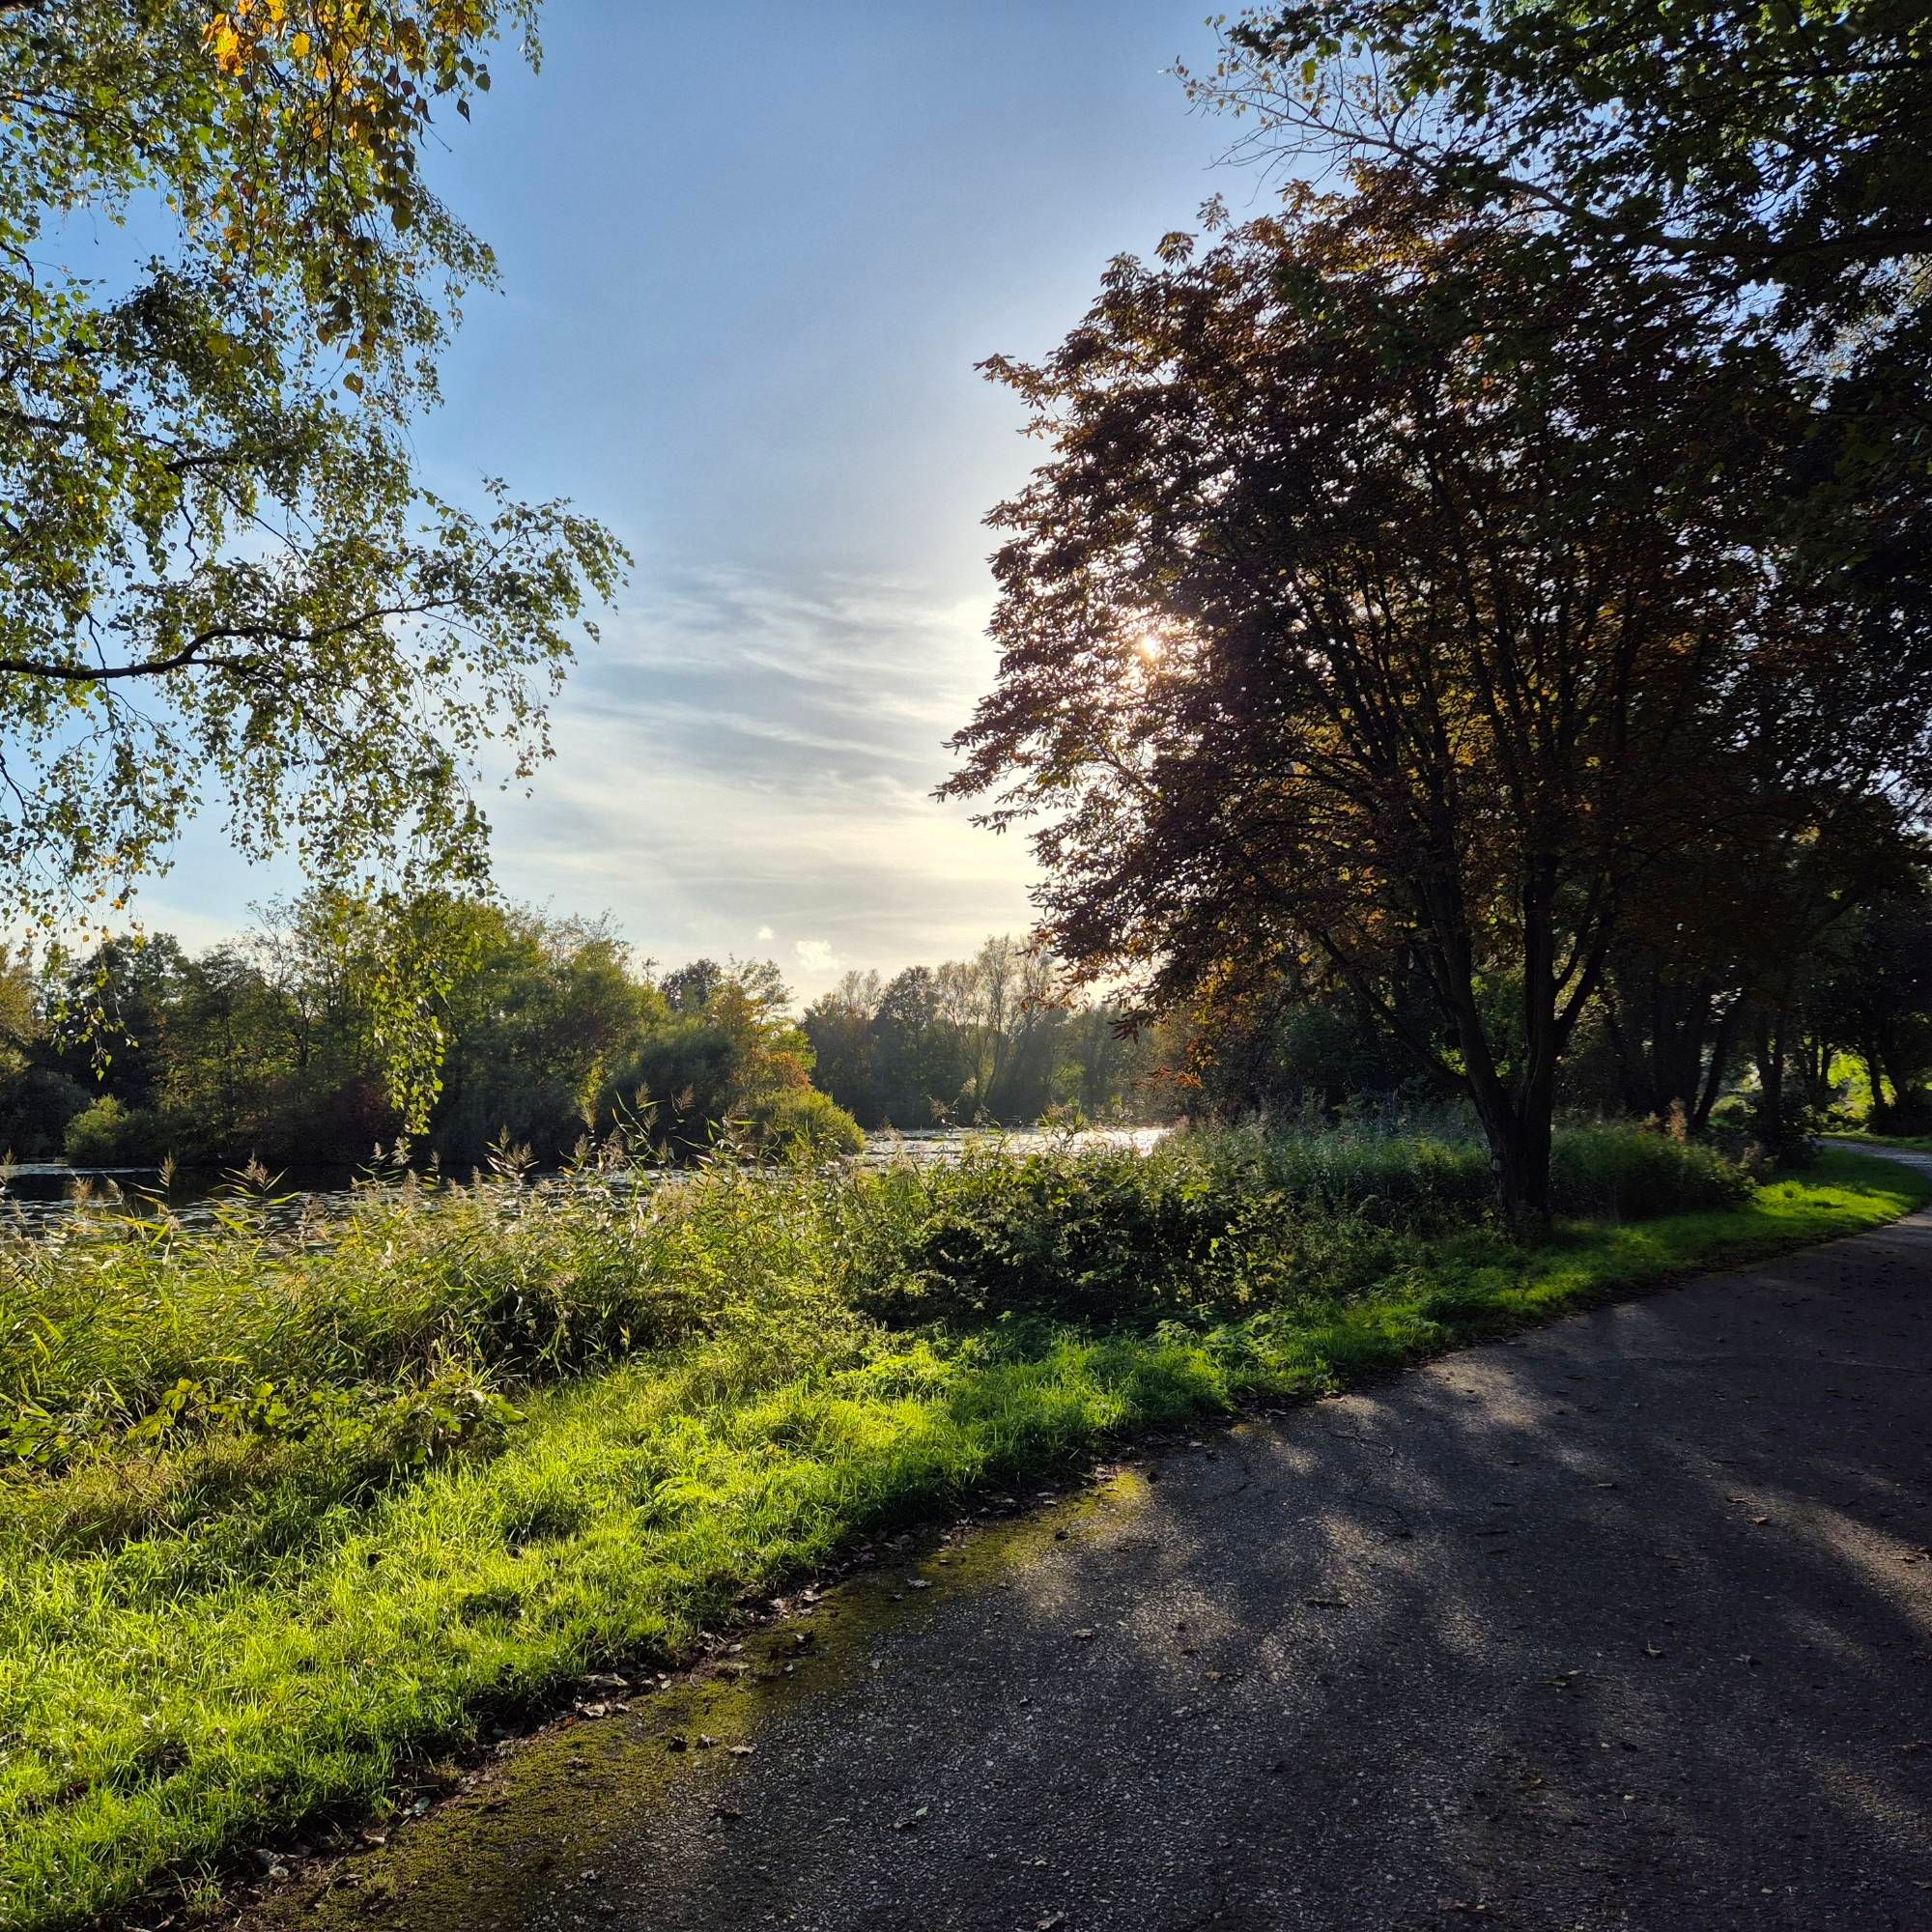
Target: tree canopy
{"x": 1788, "y": 145}
{"x": 222, "y": 583}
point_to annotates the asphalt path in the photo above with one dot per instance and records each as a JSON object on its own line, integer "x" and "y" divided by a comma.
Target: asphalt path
{"x": 1627, "y": 1623}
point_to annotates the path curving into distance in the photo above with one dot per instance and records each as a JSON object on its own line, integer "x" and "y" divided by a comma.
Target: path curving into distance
{"x": 1626, "y": 1622}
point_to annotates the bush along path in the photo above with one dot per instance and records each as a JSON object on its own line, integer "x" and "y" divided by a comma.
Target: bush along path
{"x": 285, "y": 1519}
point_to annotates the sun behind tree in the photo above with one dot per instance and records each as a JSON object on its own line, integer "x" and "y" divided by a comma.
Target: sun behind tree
{"x": 1471, "y": 623}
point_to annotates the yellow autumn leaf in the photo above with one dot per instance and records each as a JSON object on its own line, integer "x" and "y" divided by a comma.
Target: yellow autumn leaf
{"x": 225, "y": 45}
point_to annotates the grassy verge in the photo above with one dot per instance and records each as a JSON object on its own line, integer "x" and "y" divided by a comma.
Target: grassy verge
{"x": 1912, "y": 1143}
{"x": 256, "y": 1610}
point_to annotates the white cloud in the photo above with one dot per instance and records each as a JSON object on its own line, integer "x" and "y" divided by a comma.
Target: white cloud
{"x": 864, "y": 647}
{"x": 742, "y": 754}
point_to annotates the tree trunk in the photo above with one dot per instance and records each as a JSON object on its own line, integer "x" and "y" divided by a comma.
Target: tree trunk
{"x": 1773, "y": 1129}
{"x": 1674, "y": 1058}
{"x": 1517, "y": 1118}
{"x": 1874, "y": 1078}
{"x": 1518, "y": 1114}
{"x": 1517, "y": 1125}
{"x": 1520, "y": 1159}
{"x": 1896, "y": 1068}
{"x": 1714, "y": 1077}
{"x": 1632, "y": 1077}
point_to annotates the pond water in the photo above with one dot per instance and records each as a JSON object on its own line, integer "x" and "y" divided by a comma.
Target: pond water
{"x": 40, "y": 1198}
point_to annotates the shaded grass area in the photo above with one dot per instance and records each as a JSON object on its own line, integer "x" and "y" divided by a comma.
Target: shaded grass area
{"x": 217, "y": 1629}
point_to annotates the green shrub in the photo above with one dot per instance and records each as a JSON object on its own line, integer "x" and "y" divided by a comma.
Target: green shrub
{"x": 788, "y": 1121}
{"x": 1631, "y": 1174}
{"x": 1232, "y": 1220}
{"x": 109, "y": 1134}
{"x": 1108, "y": 1235}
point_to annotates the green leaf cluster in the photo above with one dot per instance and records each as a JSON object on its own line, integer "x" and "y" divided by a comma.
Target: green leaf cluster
{"x": 224, "y": 588}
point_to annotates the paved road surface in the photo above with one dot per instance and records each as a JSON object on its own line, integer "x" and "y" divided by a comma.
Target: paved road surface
{"x": 1626, "y": 1624}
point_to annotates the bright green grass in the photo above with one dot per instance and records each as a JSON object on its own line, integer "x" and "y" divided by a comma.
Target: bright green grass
{"x": 168, "y": 1697}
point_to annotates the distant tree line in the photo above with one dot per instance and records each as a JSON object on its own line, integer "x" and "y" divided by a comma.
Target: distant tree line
{"x": 553, "y": 1032}
{"x": 550, "y": 1032}
{"x": 984, "y": 1040}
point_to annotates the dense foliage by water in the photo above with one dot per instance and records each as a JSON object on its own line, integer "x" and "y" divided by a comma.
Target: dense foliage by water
{"x": 524, "y": 1030}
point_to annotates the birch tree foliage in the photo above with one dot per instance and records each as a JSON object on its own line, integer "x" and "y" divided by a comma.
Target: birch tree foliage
{"x": 223, "y": 584}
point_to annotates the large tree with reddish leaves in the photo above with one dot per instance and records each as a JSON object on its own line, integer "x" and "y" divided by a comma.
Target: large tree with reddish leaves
{"x": 1395, "y": 603}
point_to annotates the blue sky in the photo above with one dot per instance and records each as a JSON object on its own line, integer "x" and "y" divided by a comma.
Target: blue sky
{"x": 751, "y": 253}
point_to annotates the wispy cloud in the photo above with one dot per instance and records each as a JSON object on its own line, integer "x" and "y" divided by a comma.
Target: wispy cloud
{"x": 918, "y": 657}
{"x": 744, "y": 757}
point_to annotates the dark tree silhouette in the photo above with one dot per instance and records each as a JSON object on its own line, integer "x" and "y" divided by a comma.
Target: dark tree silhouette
{"x": 1395, "y": 602}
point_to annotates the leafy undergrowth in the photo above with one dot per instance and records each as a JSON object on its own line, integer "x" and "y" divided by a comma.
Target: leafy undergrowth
{"x": 631, "y": 1409}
